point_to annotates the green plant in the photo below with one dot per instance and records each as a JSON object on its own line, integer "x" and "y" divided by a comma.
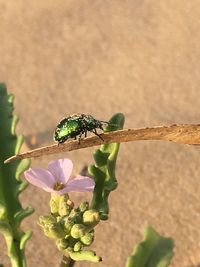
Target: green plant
{"x": 11, "y": 210}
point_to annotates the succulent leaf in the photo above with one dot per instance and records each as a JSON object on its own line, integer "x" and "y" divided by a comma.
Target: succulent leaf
{"x": 25, "y": 237}
{"x": 103, "y": 171}
{"x": 11, "y": 211}
{"x": 153, "y": 251}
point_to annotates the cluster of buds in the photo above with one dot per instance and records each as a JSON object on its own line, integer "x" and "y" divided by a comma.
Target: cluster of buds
{"x": 71, "y": 228}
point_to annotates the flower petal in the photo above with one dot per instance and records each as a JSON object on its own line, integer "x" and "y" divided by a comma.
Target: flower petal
{"x": 40, "y": 178}
{"x": 61, "y": 169}
{"x": 80, "y": 184}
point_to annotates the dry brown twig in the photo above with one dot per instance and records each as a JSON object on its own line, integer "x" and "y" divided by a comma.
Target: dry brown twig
{"x": 182, "y": 134}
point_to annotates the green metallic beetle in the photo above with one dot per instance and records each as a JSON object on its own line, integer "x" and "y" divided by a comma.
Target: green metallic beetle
{"x": 77, "y": 125}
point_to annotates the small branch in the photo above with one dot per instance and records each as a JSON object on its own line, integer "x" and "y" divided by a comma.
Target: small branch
{"x": 182, "y": 134}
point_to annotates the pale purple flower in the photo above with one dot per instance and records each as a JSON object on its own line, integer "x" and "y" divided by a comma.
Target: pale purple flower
{"x": 56, "y": 179}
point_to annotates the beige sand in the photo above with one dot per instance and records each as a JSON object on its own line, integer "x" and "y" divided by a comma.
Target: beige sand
{"x": 141, "y": 58}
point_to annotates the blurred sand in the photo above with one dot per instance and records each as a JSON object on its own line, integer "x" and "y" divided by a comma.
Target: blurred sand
{"x": 138, "y": 57}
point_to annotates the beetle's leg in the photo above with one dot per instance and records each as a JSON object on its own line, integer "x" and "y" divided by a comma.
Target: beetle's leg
{"x": 74, "y": 137}
{"x": 79, "y": 138}
{"x": 95, "y": 132}
{"x": 62, "y": 141}
{"x": 85, "y": 133}
{"x": 101, "y": 127}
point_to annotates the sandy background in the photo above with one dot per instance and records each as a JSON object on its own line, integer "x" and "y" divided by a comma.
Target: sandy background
{"x": 139, "y": 57}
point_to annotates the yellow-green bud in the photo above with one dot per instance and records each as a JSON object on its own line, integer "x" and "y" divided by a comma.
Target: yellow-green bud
{"x": 78, "y": 230}
{"x": 78, "y": 246}
{"x": 67, "y": 225}
{"x": 65, "y": 205}
{"x": 46, "y": 220}
{"x": 65, "y": 199}
{"x": 62, "y": 244}
{"x": 55, "y": 231}
{"x": 85, "y": 255}
{"x": 59, "y": 219}
{"x": 91, "y": 217}
{"x": 84, "y": 206}
{"x": 75, "y": 216}
{"x": 54, "y": 204}
{"x": 64, "y": 209}
{"x": 88, "y": 238}
{"x": 51, "y": 227}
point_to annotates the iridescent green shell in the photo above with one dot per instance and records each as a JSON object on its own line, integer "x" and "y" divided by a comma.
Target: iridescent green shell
{"x": 76, "y": 125}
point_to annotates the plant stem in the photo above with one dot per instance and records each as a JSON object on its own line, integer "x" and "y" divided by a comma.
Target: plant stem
{"x": 17, "y": 257}
{"x": 67, "y": 262}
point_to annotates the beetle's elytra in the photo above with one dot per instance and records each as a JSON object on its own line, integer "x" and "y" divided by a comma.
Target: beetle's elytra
{"x": 77, "y": 125}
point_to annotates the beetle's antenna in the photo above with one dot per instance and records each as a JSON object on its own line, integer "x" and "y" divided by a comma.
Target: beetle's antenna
{"x": 105, "y": 122}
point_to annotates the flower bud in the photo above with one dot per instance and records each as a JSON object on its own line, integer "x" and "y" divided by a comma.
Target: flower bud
{"x": 59, "y": 219}
{"x": 55, "y": 231}
{"x": 68, "y": 226}
{"x": 91, "y": 217}
{"x": 54, "y": 204}
{"x": 51, "y": 227}
{"x": 83, "y": 206}
{"x": 85, "y": 255}
{"x": 65, "y": 205}
{"x": 64, "y": 209}
{"x": 78, "y": 246}
{"x": 88, "y": 238}
{"x": 62, "y": 243}
{"x": 75, "y": 216}
{"x": 78, "y": 230}
{"x": 46, "y": 220}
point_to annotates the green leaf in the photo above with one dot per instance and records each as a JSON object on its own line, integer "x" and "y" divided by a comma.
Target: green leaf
{"x": 25, "y": 237}
{"x": 153, "y": 251}
{"x": 23, "y": 213}
{"x": 103, "y": 172}
{"x": 11, "y": 211}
